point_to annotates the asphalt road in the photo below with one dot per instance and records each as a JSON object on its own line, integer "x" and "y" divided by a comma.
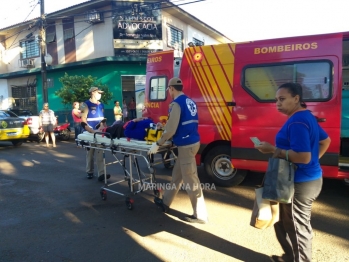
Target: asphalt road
{"x": 50, "y": 211}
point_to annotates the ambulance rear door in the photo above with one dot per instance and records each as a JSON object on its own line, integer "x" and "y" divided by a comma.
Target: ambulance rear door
{"x": 160, "y": 69}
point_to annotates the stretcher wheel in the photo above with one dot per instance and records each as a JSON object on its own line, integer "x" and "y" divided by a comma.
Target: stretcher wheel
{"x": 103, "y": 194}
{"x": 129, "y": 203}
{"x": 156, "y": 192}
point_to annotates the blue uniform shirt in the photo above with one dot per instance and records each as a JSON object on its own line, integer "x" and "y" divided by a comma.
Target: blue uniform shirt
{"x": 187, "y": 131}
{"x": 95, "y": 113}
{"x": 302, "y": 133}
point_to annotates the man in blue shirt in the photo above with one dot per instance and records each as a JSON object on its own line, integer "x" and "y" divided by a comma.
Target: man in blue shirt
{"x": 92, "y": 113}
{"x": 182, "y": 127}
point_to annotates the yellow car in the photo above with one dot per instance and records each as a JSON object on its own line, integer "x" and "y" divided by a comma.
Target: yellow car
{"x": 13, "y": 129}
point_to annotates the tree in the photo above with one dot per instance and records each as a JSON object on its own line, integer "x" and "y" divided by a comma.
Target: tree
{"x": 75, "y": 88}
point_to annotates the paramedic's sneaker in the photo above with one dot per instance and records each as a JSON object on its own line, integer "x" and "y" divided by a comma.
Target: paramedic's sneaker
{"x": 192, "y": 219}
{"x": 89, "y": 175}
{"x": 160, "y": 204}
{"x": 101, "y": 177}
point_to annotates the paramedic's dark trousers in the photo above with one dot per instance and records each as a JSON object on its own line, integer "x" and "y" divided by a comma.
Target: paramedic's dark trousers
{"x": 294, "y": 231}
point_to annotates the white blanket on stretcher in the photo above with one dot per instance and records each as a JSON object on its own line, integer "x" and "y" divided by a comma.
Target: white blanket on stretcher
{"x": 122, "y": 141}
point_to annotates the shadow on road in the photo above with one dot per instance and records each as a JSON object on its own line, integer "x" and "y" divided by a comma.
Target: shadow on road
{"x": 67, "y": 220}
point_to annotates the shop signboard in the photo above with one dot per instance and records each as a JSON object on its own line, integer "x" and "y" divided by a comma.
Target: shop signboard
{"x": 137, "y": 29}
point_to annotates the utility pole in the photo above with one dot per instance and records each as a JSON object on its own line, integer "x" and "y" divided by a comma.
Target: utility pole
{"x": 43, "y": 51}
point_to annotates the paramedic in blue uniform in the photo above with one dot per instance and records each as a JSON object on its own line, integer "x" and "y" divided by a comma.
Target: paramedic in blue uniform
{"x": 92, "y": 113}
{"x": 182, "y": 127}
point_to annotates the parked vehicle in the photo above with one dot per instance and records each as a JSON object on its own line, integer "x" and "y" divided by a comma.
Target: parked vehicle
{"x": 34, "y": 125}
{"x": 22, "y": 113}
{"x": 13, "y": 128}
{"x": 62, "y": 131}
{"x": 234, "y": 87}
{"x": 32, "y": 121}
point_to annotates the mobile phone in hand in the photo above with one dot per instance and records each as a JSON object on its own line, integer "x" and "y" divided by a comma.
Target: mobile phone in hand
{"x": 255, "y": 141}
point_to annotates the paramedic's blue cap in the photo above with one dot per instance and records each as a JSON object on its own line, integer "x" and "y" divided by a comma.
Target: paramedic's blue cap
{"x": 94, "y": 88}
{"x": 175, "y": 82}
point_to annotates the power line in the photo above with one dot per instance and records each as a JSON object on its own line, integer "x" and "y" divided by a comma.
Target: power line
{"x": 15, "y": 34}
{"x": 197, "y": 1}
{"x": 22, "y": 22}
{"x": 127, "y": 8}
{"x": 83, "y": 30}
{"x": 31, "y": 11}
{"x": 82, "y": 14}
{"x": 10, "y": 14}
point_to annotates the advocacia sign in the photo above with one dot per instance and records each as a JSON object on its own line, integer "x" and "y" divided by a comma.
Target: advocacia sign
{"x": 137, "y": 29}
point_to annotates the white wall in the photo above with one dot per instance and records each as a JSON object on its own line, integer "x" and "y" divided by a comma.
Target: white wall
{"x": 91, "y": 41}
{"x": 60, "y": 42}
{"x": 11, "y": 56}
{"x": 188, "y": 31}
{"x": 193, "y": 32}
{"x": 5, "y": 101}
{"x": 173, "y": 21}
{"x": 103, "y": 37}
{"x": 3, "y": 60}
{"x": 84, "y": 40}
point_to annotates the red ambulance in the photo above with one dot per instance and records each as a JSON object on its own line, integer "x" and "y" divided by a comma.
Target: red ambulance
{"x": 234, "y": 87}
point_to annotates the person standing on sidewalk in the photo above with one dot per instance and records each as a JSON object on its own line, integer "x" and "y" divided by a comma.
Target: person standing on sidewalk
{"x": 182, "y": 127}
{"x": 47, "y": 122}
{"x": 92, "y": 114}
{"x": 76, "y": 114}
{"x": 124, "y": 111}
{"x": 132, "y": 108}
{"x": 117, "y": 111}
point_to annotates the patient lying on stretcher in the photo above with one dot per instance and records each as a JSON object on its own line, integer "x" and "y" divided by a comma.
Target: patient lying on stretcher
{"x": 137, "y": 128}
{"x": 116, "y": 130}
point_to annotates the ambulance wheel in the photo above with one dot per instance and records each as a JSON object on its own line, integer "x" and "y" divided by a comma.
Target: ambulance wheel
{"x": 129, "y": 203}
{"x": 103, "y": 194}
{"x": 218, "y": 166}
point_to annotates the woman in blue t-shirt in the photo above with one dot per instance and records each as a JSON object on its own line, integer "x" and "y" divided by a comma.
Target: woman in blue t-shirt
{"x": 305, "y": 142}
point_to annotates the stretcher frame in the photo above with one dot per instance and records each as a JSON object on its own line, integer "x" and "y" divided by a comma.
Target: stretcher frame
{"x": 132, "y": 150}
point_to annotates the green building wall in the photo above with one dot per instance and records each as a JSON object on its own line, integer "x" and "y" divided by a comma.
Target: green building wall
{"x": 109, "y": 74}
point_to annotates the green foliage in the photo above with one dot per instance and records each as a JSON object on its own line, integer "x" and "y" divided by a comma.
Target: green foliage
{"x": 75, "y": 88}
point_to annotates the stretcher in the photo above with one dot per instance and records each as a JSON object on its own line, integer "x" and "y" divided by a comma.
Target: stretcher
{"x": 131, "y": 151}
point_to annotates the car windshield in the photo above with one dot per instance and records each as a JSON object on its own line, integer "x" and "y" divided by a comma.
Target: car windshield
{"x": 10, "y": 113}
{"x": 4, "y": 114}
{"x": 21, "y": 112}
{"x": 24, "y": 113}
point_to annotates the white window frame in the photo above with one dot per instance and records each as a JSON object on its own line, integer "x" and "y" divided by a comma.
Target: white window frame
{"x": 50, "y": 38}
{"x": 30, "y": 48}
{"x": 198, "y": 42}
{"x": 172, "y": 41}
{"x": 158, "y": 88}
{"x": 68, "y": 33}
